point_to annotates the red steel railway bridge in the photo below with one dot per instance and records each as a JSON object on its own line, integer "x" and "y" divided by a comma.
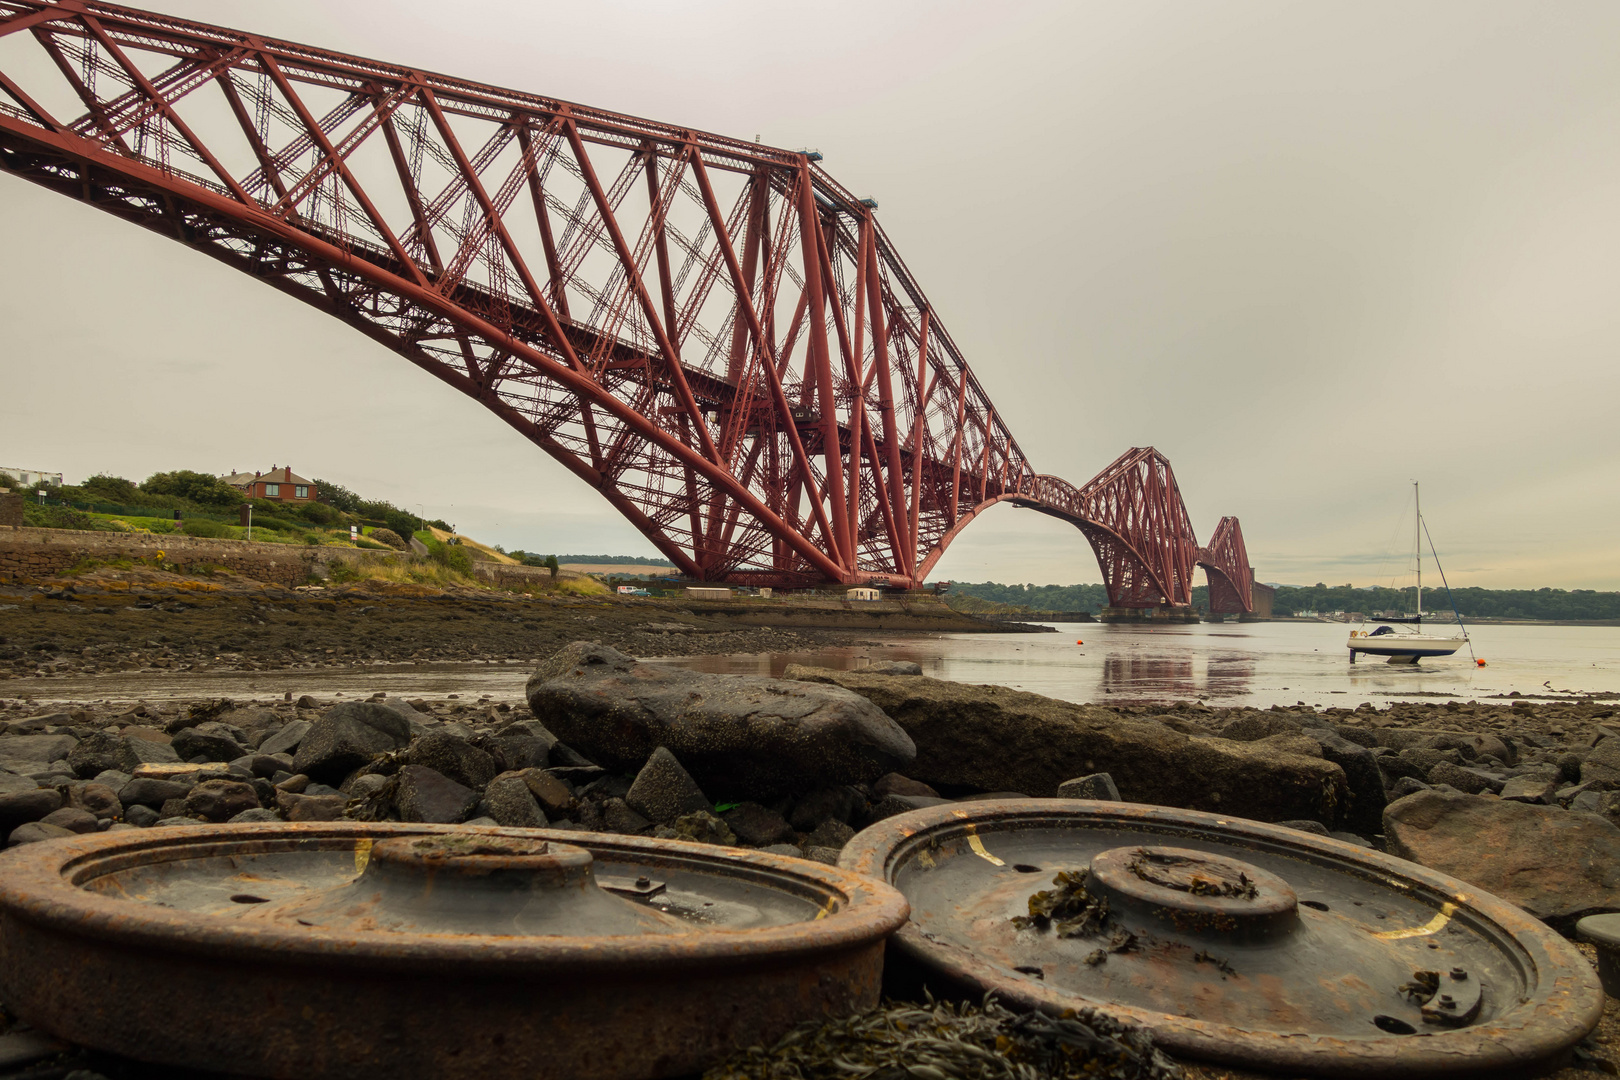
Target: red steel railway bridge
{"x": 714, "y": 334}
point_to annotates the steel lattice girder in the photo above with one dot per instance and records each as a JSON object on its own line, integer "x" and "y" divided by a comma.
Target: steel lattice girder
{"x": 714, "y": 334}
{"x": 1226, "y": 566}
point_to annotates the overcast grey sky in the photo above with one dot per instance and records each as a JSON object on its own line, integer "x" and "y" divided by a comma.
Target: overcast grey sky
{"x": 1310, "y": 251}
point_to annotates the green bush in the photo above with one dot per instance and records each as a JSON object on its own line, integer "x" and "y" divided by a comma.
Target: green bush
{"x": 316, "y": 512}
{"x": 200, "y": 488}
{"x": 451, "y": 557}
{"x": 389, "y": 537}
{"x": 201, "y": 527}
{"x": 111, "y": 488}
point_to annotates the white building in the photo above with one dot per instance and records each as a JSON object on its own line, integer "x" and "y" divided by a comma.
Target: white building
{"x": 29, "y": 478}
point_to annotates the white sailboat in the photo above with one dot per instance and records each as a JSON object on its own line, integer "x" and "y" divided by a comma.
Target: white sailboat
{"x": 1403, "y": 641}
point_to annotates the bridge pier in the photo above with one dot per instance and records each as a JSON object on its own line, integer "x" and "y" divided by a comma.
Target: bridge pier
{"x": 1164, "y": 613}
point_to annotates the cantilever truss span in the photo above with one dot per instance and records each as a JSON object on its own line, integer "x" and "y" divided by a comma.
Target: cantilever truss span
{"x": 714, "y": 334}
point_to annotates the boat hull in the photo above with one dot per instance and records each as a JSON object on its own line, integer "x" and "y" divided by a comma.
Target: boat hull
{"x": 1412, "y": 645}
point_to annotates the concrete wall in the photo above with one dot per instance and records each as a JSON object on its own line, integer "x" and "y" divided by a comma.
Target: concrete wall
{"x": 39, "y": 553}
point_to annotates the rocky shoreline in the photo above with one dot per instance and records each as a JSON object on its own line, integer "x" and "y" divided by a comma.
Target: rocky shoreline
{"x": 1521, "y": 799}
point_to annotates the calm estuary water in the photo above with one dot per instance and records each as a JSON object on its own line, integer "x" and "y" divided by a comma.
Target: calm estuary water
{"x": 1224, "y": 664}
{"x": 1233, "y": 663}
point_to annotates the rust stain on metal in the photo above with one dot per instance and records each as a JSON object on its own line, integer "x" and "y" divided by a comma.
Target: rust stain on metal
{"x": 1294, "y": 976}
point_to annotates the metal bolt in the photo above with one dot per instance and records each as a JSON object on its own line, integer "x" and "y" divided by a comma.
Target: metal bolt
{"x": 1446, "y": 1002}
{"x": 643, "y": 882}
{"x": 1459, "y": 973}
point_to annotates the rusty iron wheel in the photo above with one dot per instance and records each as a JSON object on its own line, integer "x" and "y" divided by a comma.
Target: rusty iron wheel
{"x": 335, "y": 948}
{"x": 1229, "y": 940}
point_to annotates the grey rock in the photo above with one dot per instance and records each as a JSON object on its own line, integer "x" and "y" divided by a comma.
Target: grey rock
{"x": 256, "y": 814}
{"x": 703, "y": 827}
{"x": 147, "y": 791}
{"x": 452, "y": 756}
{"x": 553, "y": 794}
{"x": 141, "y": 816}
{"x": 1530, "y": 789}
{"x": 890, "y": 805}
{"x": 220, "y": 800}
{"x": 1463, "y": 779}
{"x": 1252, "y": 727}
{"x": 209, "y": 740}
{"x": 892, "y": 667}
{"x": 508, "y": 800}
{"x": 72, "y": 819}
{"x": 146, "y": 750}
{"x": 35, "y": 831}
{"x": 99, "y": 751}
{"x": 112, "y": 778}
{"x": 358, "y": 789}
{"x": 426, "y": 795}
{"x": 346, "y": 737}
{"x": 1556, "y": 865}
{"x": 756, "y": 825}
{"x": 829, "y": 834}
{"x": 1425, "y": 758}
{"x": 895, "y": 784}
{"x": 994, "y": 738}
{"x": 35, "y": 723}
{"x": 826, "y": 855}
{"x": 1314, "y": 827}
{"x": 36, "y": 748}
{"x": 1405, "y": 786}
{"x": 1096, "y": 786}
{"x": 745, "y": 736}
{"x": 483, "y": 822}
{"x": 296, "y": 807}
{"x": 96, "y": 799}
{"x": 1364, "y": 811}
{"x": 514, "y": 753}
{"x": 180, "y": 819}
{"x": 26, "y": 806}
{"x": 1351, "y": 838}
{"x": 663, "y": 791}
{"x": 1588, "y": 802}
{"x": 839, "y": 803}
{"x": 291, "y": 734}
{"x": 13, "y": 783}
{"x": 319, "y": 789}
{"x": 618, "y": 817}
{"x": 1602, "y": 762}
{"x": 783, "y": 849}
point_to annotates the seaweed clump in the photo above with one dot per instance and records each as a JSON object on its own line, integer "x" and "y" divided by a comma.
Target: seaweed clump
{"x": 1068, "y": 909}
{"x": 942, "y": 1041}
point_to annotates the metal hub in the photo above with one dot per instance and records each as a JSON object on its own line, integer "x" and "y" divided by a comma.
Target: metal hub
{"x": 1193, "y": 892}
{"x": 1229, "y": 939}
{"x": 332, "y": 949}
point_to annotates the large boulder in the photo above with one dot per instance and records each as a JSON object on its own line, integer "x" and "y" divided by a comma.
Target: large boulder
{"x": 209, "y": 740}
{"x": 346, "y": 737}
{"x": 998, "y": 739}
{"x": 426, "y": 795}
{"x": 738, "y": 736}
{"x": 1557, "y": 865}
{"x": 452, "y": 756}
{"x": 27, "y": 753}
{"x": 99, "y": 751}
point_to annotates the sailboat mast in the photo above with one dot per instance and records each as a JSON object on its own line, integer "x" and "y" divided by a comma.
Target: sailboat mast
{"x": 1417, "y": 502}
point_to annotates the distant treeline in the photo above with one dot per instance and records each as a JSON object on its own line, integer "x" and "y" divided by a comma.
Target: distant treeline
{"x": 1290, "y": 600}
{"x": 1471, "y": 603}
{"x": 616, "y": 560}
{"x": 1090, "y": 598}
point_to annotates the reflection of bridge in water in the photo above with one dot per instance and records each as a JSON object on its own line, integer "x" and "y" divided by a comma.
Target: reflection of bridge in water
{"x": 715, "y": 335}
{"x": 1193, "y": 676}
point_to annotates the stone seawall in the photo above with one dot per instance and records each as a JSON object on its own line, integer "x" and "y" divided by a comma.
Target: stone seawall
{"x": 37, "y": 553}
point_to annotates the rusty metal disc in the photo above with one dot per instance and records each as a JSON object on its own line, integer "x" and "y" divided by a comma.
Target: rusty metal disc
{"x": 342, "y": 949}
{"x": 1230, "y": 940}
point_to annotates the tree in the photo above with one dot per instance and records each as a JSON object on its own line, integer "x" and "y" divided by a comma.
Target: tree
{"x": 200, "y": 488}
{"x": 551, "y": 564}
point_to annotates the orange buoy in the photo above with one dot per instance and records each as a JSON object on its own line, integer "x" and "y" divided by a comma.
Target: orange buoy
{"x": 1077, "y": 641}
{"x": 1481, "y": 663}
